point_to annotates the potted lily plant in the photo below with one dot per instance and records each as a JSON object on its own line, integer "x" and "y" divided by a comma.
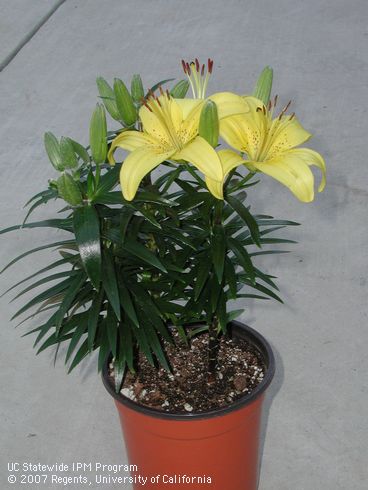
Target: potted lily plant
{"x": 146, "y": 273}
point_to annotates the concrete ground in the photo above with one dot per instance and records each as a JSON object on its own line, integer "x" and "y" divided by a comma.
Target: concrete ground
{"x": 317, "y": 429}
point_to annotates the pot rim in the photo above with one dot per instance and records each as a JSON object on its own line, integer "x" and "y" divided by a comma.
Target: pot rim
{"x": 234, "y": 326}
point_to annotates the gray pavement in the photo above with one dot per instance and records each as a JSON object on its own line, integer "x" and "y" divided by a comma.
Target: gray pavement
{"x": 317, "y": 427}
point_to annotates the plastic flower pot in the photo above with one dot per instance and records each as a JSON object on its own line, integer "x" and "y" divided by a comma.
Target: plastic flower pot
{"x": 218, "y": 449}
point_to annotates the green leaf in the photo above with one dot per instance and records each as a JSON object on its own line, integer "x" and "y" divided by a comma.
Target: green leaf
{"x": 53, "y": 277}
{"x": 93, "y": 317}
{"x": 61, "y": 224}
{"x": 45, "y": 197}
{"x": 126, "y": 344}
{"x": 33, "y": 250}
{"x": 80, "y": 355}
{"x": 260, "y": 287}
{"x": 234, "y": 314}
{"x": 68, "y": 298}
{"x": 246, "y": 217}
{"x": 114, "y": 197}
{"x": 109, "y": 282}
{"x": 143, "y": 344}
{"x": 157, "y": 85}
{"x": 77, "y": 335}
{"x": 218, "y": 248}
{"x": 41, "y": 271}
{"x": 127, "y": 304}
{"x": 80, "y": 151}
{"x": 243, "y": 258}
{"x": 156, "y": 346}
{"x": 109, "y": 180}
{"x": 52, "y": 340}
{"x": 146, "y": 196}
{"x": 87, "y": 233}
{"x": 104, "y": 346}
{"x": 140, "y": 251}
{"x": 119, "y": 371}
{"x": 230, "y": 276}
{"x": 58, "y": 288}
{"x": 215, "y": 291}
{"x": 276, "y": 222}
{"x": 112, "y": 330}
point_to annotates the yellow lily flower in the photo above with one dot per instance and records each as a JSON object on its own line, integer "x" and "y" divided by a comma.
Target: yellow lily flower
{"x": 270, "y": 147}
{"x": 170, "y": 132}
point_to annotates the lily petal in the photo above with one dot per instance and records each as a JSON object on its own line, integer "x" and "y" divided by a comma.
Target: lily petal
{"x": 129, "y": 140}
{"x": 229, "y": 160}
{"x": 242, "y": 133}
{"x": 311, "y": 157}
{"x": 287, "y": 133}
{"x": 138, "y": 164}
{"x": 229, "y": 104}
{"x": 215, "y": 187}
{"x": 291, "y": 171}
{"x": 203, "y": 156}
{"x": 189, "y": 106}
{"x": 155, "y": 126}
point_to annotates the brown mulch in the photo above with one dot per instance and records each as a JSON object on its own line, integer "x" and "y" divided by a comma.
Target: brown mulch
{"x": 187, "y": 388}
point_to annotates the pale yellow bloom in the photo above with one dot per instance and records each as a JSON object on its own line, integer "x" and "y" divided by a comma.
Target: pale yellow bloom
{"x": 270, "y": 146}
{"x": 170, "y": 132}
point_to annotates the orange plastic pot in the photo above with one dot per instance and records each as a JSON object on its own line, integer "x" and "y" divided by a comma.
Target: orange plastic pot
{"x": 218, "y": 449}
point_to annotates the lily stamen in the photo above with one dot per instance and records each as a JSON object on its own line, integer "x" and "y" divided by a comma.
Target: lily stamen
{"x": 197, "y": 76}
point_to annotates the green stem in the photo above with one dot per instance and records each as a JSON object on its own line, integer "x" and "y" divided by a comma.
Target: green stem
{"x": 213, "y": 327}
{"x": 213, "y": 349}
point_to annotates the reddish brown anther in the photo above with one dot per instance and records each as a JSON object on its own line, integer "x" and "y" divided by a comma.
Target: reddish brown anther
{"x": 286, "y": 107}
{"x": 189, "y": 71}
{"x": 202, "y": 70}
{"x": 144, "y": 102}
{"x": 168, "y": 93}
{"x": 275, "y": 100}
{"x": 292, "y": 116}
{"x": 161, "y": 91}
{"x": 184, "y": 66}
{"x": 210, "y": 65}
{"x": 197, "y": 64}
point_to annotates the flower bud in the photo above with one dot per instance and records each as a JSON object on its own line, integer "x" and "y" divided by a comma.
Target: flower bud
{"x": 69, "y": 190}
{"x": 179, "y": 91}
{"x": 108, "y": 98}
{"x": 68, "y": 156}
{"x": 137, "y": 89}
{"x": 98, "y": 134}
{"x": 209, "y": 123}
{"x": 53, "y": 150}
{"x": 125, "y": 104}
{"x": 264, "y": 85}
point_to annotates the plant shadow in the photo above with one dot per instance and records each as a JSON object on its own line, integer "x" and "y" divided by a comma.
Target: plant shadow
{"x": 270, "y": 395}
